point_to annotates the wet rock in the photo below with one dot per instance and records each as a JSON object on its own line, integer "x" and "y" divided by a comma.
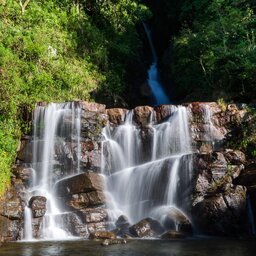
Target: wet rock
{"x": 91, "y": 160}
{"x": 92, "y": 215}
{"x": 122, "y": 221}
{"x": 23, "y": 173}
{"x": 77, "y": 201}
{"x": 102, "y": 235}
{"x": 38, "y": 206}
{"x": 107, "y": 242}
{"x": 122, "y": 226}
{"x": 84, "y": 182}
{"x": 116, "y": 115}
{"x": 235, "y": 156}
{"x": 96, "y": 226}
{"x": 172, "y": 234}
{"x": 146, "y": 228}
{"x": 176, "y": 220}
{"x": 221, "y": 214}
{"x": 96, "y": 198}
{"x": 142, "y": 115}
{"x": 37, "y": 224}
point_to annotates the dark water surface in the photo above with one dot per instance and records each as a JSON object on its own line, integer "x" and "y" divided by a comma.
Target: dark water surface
{"x": 198, "y": 247}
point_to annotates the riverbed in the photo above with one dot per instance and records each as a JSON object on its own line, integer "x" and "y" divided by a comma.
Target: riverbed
{"x": 192, "y": 247}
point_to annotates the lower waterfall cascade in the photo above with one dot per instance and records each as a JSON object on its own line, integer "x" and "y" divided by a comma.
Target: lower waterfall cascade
{"x": 87, "y": 168}
{"x": 53, "y": 126}
{"x": 134, "y": 175}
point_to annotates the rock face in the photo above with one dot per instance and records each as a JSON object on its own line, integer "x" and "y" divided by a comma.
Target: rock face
{"x": 11, "y": 216}
{"x": 216, "y": 204}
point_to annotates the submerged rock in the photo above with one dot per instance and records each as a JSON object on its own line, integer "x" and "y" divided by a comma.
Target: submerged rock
{"x": 102, "y": 235}
{"x": 172, "y": 234}
{"x": 107, "y": 242}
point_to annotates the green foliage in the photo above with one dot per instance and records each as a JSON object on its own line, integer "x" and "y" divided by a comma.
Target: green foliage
{"x": 243, "y": 137}
{"x": 59, "y": 51}
{"x": 215, "y": 51}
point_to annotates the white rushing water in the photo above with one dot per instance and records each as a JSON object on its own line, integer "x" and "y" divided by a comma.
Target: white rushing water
{"x": 53, "y": 126}
{"x": 144, "y": 175}
{"x": 160, "y": 97}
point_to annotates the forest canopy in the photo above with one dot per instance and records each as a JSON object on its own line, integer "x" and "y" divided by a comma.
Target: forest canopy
{"x": 61, "y": 50}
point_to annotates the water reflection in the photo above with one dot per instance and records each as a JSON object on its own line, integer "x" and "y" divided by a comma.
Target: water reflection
{"x": 211, "y": 247}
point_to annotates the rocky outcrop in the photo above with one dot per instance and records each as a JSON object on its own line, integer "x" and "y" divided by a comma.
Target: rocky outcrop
{"x": 11, "y": 216}
{"x": 218, "y": 206}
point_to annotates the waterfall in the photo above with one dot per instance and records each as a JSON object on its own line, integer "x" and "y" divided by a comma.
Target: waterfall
{"x": 56, "y": 154}
{"x": 160, "y": 96}
{"x": 250, "y": 215}
{"x": 143, "y": 175}
{"x": 28, "y": 232}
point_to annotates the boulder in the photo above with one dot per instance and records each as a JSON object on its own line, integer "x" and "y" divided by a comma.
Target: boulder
{"x": 235, "y": 157}
{"x": 102, "y": 235}
{"x": 164, "y": 111}
{"x": 116, "y": 115}
{"x": 38, "y": 206}
{"x": 175, "y": 219}
{"x": 146, "y": 228}
{"x": 84, "y": 182}
{"x": 122, "y": 222}
{"x": 142, "y": 115}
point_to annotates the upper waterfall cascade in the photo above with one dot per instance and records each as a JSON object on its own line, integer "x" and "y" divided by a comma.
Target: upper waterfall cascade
{"x": 159, "y": 95}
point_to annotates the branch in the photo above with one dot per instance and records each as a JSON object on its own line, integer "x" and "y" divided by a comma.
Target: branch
{"x": 23, "y": 5}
